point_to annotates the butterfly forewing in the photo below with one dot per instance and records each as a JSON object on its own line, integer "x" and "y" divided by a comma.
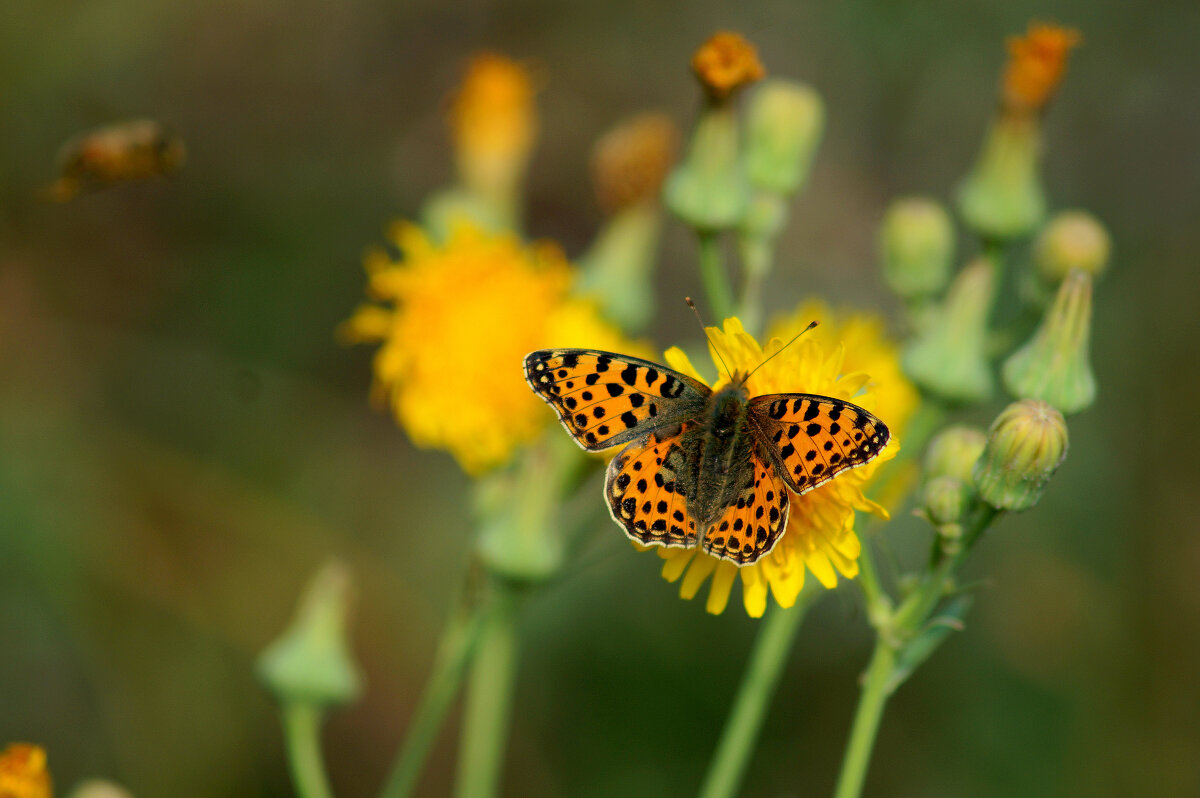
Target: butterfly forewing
{"x": 749, "y": 529}
{"x": 646, "y": 494}
{"x": 604, "y": 399}
{"x": 813, "y": 438}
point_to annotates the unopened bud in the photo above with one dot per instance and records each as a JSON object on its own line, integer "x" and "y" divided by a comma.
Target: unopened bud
{"x": 916, "y": 243}
{"x": 945, "y": 500}
{"x": 1071, "y": 240}
{"x": 784, "y": 124}
{"x": 311, "y": 662}
{"x": 708, "y": 191}
{"x": 1026, "y": 445}
{"x": 948, "y": 357}
{"x": 1055, "y": 364}
{"x": 1002, "y": 197}
{"x": 954, "y": 451}
{"x": 725, "y": 63}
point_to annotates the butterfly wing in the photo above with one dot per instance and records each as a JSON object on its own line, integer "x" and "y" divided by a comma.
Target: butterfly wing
{"x": 644, "y": 487}
{"x": 811, "y": 439}
{"x": 749, "y": 528}
{"x": 604, "y": 399}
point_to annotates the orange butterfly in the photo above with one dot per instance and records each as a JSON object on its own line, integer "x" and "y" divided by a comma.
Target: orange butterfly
{"x": 701, "y": 466}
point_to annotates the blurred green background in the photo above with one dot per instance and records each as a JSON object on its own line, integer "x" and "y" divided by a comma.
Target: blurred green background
{"x": 182, "y": 441}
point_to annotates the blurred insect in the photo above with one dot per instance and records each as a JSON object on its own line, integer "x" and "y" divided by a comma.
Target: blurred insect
{"x": 117, "y": 153}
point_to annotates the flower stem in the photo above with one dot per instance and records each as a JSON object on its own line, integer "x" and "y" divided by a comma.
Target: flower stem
{"x": 301, "y": 728}
{"x": 866, "y": 721}
{"x": 767, "y": 660}
{"x": 714, "y": 276}
{"x": 489, "y": 698}
{"x": 454, "y": 652}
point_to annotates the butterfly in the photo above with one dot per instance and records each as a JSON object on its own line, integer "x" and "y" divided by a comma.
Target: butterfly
{"x": 701, "y": 467}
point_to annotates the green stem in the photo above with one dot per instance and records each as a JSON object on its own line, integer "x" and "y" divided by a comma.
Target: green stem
{"x": 454, "y": 652}
{"x": 301, "y": 729}
{"x": 714, "y": 276}
{"x": 756, "y": 265}
{"x": 489, "y": 698}
{"x": 740, "y": 734}
{"x": 866, "y": 721}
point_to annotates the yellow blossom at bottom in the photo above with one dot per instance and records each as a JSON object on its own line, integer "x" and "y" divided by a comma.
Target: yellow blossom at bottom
{"x": 455, "y": 321}
{"x": 831, "y": 360}
{"x": 23, "y": 772}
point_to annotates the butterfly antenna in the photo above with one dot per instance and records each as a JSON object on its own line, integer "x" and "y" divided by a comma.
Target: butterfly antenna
{"x": 811, "y": 324}
{"x": 711, "y": 342}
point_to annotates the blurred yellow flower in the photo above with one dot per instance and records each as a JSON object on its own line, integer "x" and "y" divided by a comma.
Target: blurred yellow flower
{"x": 726, "y": 63}
{"x": 494, "y": 122}
{"x": 23, "y": 772}
{"x": 455, "y": 320}
{"x": 848, "y": 358}
{"x": 1037, "y": 62}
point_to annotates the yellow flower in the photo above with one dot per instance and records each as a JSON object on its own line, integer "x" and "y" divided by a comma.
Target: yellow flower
{"x": 847, "y": 358}
{"x": 494, "y": 122}
{"x": 1037, "y": 62}
{"x": 454, "y": 322}
{"x": 23, "y": 772}
{"x": 726, "y": 63}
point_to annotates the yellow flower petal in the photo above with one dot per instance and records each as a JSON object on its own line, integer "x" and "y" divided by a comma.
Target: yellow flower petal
{"x": 457, "y": 317}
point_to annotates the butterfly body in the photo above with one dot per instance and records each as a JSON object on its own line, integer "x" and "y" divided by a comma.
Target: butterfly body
{"x": 700, "y": 467}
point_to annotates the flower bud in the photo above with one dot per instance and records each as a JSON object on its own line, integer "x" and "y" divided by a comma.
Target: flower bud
{"x": 916, "y": 242}
{"x": 1026, "y": 444}
{"x": 23, "y": 772}
{"x": 948, "y": 356}
{"x": 784, "y": 124}
{"x": 1054, "y": 365}
{"x": 708, "y": 191}
{"x": 1002, "y": 196}
{"x": 954, "y": 451}
{"x": 1072, "y": 240}
{"x": 629, "y": 164}
{"x": 311, "y": 662}
{"x": 945, "y": 500}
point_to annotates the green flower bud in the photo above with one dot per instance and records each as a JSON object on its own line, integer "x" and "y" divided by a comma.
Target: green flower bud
{"x": 954, "y": 451}
{"x": 1072, "y": 240}
{"x": 945, "y": 500}
{"x": 1054, "y": 365}
{"x": 916, "y": 242}
{"x": 1002, "y": 196}
{"x": 948, "y": 356}
{"x": 784, "y": 124}
{"x": 1026, "y": 445}
{"x": 311, "y": 662}
{"x": 708, "y": 191}
{"x": 617, "y": 270}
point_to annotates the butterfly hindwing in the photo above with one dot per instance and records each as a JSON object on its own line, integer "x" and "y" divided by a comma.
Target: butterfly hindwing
{"x": 813, "y": 438}
{"x": 750, "y": 528}
{"x": 645, "y": 491}
{"x": 604, "y": 399}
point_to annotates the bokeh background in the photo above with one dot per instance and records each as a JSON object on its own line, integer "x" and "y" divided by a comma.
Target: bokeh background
{"x": 182, "y": 440}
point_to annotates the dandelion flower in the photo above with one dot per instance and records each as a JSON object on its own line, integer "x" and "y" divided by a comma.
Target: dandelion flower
{"x": 454, "y": 320}
{"x": 844, "y": 358}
